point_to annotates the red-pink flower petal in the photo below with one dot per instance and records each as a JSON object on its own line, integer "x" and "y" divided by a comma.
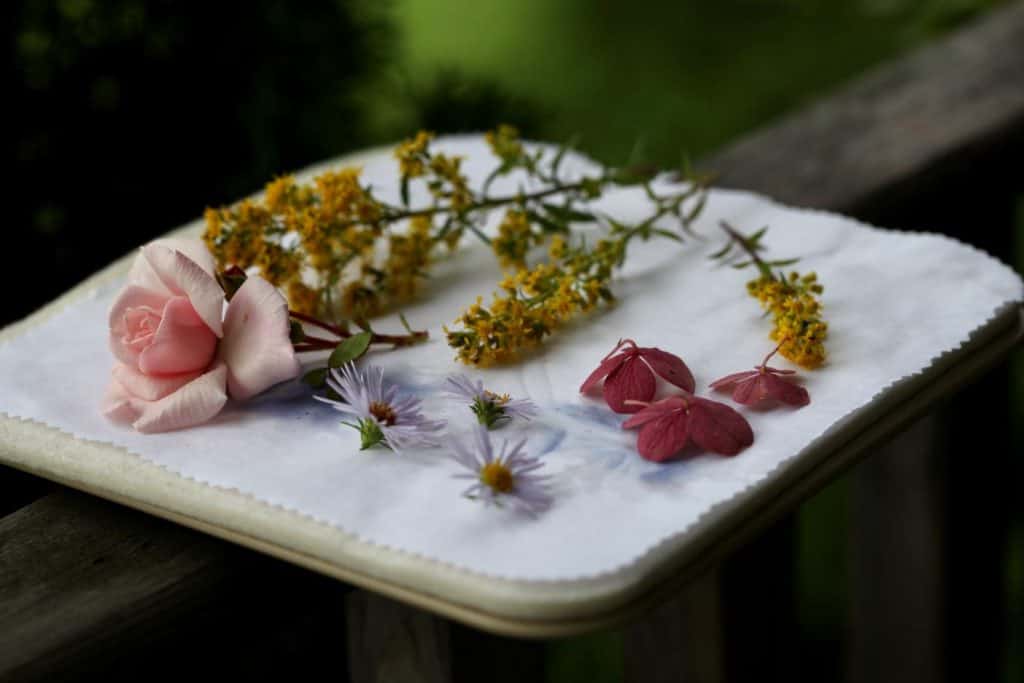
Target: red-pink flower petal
{"x": 183, "y": 342}
{"x": 195, "y": 403}
{"x": 749, "y": 391}
{"x": 256, "y": 347}
{"x": 724, "y": 383}
{"x": 631, "y": 381}
{"x": 718, "y": 428}
{"x": 148, "y": 387}
{"x": 662, "y": 438}
{"x": 184, "y": 277}
{"x": 669, "y": 367}
{"x": 785, "y": 391}
{"x": 653, "y": 411}
{"x": 777, "y": 371}
{"x": 607, "y": 366}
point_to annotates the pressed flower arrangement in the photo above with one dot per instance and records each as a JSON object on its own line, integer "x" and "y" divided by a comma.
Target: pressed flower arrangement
{"x": 303, "y": 268}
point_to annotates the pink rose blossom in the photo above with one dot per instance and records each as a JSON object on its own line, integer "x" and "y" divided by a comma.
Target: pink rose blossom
{"x": 628, "y": 374}
{"x": 179, "y": 356}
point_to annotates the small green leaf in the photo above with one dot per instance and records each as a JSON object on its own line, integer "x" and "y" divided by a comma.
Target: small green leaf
{"x": 295, "y": 332}
{"x": 783, "y": 262}
{"x": 567, "y": 213}
{"x": 721, "y": 253}
{"x": 349, "y": 349}
{"x": 316, "y": 378}
{"x": 669, "y": 234}
{"x": 405, "y": 191}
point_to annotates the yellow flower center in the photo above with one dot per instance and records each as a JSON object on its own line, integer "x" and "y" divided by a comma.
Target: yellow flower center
{"x": 498, "y": 477}
{"x": 497, "y": 399}
{"x": 384, "y": 413}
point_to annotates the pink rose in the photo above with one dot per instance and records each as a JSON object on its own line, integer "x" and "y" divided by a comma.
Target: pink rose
{"x": 179, "y": 354}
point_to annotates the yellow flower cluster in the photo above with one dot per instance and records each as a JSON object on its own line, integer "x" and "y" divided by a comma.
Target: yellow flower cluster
{"x": 505, "y": 144}
{"x": 449, "y": 182}
{"x": 412, "y": 155}
{"x": 533, "y": 302}
{"x": 515, "y": 237}
{"x": 796, "y": 316}
{"x": 303, "y": 239}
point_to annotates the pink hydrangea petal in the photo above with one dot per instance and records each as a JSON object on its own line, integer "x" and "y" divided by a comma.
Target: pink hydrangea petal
{"x": 256, "y": 347}
{"x": 655, "y": 410}
{"x": 662, "y": 438}
{"x": 607, "y": 366}
{"x": 785, "y": 391}
{"x": 183, "y": 276}
{"x": 132, "y": 296}
{"x": 183, "y": 342}
{"x": 632, "y": 381}
{"x": 669, "y": 367}
{"x": 724, "y": 383}
{"x": 148, "y": 387}
{"x": 195, "y": 403}
{"x": 718, "y": 428}
{"x": 749, "y": 391}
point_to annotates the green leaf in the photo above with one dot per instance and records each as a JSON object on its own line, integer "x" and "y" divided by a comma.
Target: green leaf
{"x": 295, "y": 332}
{"x": 316, "y": 378}
{"x": 349, "y": 349}
{"x": 783, "y": 262}
{"x": 405, "y": 191}
{"x": 721, "y": 253}
{"x": 567, "y": 213}
{"x": 669, "y": 234}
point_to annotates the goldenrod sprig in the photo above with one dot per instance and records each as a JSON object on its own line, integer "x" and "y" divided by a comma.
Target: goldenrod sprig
{"x": 792, "y": 300}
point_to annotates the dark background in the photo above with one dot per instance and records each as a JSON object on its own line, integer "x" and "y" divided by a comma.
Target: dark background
{"x": 127, "y": 118}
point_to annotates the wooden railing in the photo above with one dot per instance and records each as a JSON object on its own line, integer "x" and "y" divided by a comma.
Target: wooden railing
{"x": 932, "y": 141}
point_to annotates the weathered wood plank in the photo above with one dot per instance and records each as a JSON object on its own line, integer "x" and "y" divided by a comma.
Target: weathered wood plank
{"x": 897, "y": 127}
{"x": 894, "y": 129}
{"x": 389, "y": 642}
{"x": 679, "y": 641}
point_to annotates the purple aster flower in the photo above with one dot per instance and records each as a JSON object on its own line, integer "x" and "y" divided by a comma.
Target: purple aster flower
{"x": 508, "y": 477}
{"x": 488, "y": 406}
{"x": 383, "y": 415}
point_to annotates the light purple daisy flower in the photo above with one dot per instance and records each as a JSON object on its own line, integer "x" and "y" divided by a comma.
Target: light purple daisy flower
{"x": 488, "y": 406}
{"x": 508, "y": 477}
{"x": 383, "y": 415}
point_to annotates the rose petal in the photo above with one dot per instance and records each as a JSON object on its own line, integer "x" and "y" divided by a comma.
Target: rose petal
{"x": 148, "y": 387}
{"x": 723, "y": 383}
{"x": 132, "y": 296}
{"x": 718, "y": 428}
{"x": 195, "y": 403}
{"x": 632, "y": 381}
{"x": 119, "y": 405}
{"x": 183, "y": 276}
{"x": 256, "y": 347}
{"x": 143, "y": 274}
{"x": 183, "y": 342}
{"x": 785, "y": 391}
{"x": 669, "y": 367}
{"x": 660, "y": 439}
{"x": 606, "y": 367}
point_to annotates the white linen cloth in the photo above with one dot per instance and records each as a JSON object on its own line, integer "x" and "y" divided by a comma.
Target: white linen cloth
{"x": 894, "y": 303}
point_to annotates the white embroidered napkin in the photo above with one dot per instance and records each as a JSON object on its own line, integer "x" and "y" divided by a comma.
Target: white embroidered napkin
{"x": 894, "y": 303}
